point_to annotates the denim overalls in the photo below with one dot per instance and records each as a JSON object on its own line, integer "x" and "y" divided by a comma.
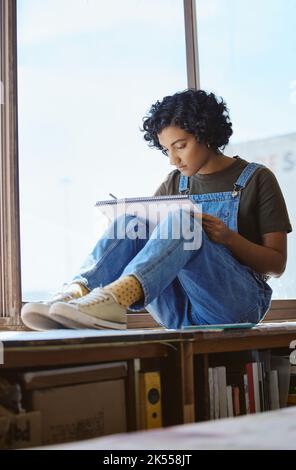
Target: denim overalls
{"x": 184, "y": 287}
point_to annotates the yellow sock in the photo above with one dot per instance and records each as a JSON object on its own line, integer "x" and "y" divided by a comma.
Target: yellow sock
{"x": 126, "y": 289}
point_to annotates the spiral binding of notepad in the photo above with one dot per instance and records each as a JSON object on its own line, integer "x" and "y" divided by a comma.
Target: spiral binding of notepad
{"x": 142, "y": 199}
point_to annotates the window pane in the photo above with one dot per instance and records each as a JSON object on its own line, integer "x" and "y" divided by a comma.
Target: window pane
{"x": 247, "y": 53}
{"x": 88, "y": 71}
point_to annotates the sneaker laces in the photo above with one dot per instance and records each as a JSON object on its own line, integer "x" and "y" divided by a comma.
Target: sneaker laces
{"x": 95, "y": 296}
{"x": 64, "y": 296}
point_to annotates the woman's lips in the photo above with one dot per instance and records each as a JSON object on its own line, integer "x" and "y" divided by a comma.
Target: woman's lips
{"x": 181, "y": 167}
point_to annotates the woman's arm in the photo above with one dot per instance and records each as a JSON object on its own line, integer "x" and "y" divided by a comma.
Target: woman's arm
{"x": 269, "y": 258}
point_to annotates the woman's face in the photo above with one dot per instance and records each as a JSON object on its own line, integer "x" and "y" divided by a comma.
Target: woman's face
{"x": 183, "y": 150}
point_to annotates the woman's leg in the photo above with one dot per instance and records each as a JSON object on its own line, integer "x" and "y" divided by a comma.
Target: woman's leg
{"x": 220, "y": 289}
{"x": 157, "y": 266}
{"x": 172, "y": 308}
{"x": 122, "y": 240}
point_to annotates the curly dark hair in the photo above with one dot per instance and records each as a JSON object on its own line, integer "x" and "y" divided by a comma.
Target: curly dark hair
{"x": 197, "y": 112}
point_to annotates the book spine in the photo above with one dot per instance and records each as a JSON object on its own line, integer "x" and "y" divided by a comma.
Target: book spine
{"x": 261, "y": 386}
{"x": 247, "y": 399}
{"x": 229, "y": 401}
{"x": 256, "y": 387}
{"x": 211, "y": 393}
{"x": 265, "y": 387}
{"x": 216, "y": 393}
{"x": 222, "y": 391}
{"x": 249, "y": 368}
{"x": 274, "y": 390}
{"x": 236, "y": 401}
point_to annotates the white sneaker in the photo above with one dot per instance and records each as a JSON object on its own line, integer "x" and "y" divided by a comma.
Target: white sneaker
{"x": 36, "y": 316}
{"x": 99, "y": 309}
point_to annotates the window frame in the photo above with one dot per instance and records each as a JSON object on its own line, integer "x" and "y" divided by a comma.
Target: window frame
{"x": 10, "y": 265}
{"x": 10, "y": 253}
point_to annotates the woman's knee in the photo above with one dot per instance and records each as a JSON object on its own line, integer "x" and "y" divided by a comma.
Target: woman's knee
{"x": 131, "y": 226}
{"x": 181, "y": 224}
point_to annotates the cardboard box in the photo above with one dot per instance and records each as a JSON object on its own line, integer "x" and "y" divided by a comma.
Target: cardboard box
{"x": 88, "y": 401}
{"x": 72, "y": 375}
{"x": 81, "y": 411}
{"x": 20, "y": 431}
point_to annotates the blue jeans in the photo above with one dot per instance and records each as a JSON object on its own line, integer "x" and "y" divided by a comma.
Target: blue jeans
{"x": 205, "y": 285}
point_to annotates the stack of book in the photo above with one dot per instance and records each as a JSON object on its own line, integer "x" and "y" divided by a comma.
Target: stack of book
{"x": 258, "y": 385}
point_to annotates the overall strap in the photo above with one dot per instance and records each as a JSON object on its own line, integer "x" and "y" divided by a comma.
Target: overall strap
{"x": 240, "y": 183}
{"x": 184, "y": 184}
{"x": 244, "y": 177}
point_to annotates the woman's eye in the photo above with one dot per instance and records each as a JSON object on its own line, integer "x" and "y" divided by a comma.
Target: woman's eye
{"x": 166, "y": 152}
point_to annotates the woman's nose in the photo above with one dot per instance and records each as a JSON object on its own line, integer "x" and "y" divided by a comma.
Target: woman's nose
{"x": 174, "y": 159}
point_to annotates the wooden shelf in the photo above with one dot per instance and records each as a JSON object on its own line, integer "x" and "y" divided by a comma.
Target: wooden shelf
{"x": 174, "y": 352}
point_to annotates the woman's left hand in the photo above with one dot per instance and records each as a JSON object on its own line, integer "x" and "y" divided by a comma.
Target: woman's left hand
{"x": 216, "y": 230}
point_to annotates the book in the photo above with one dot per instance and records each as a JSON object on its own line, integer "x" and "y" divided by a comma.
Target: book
{"x": 211, "y": 393}
{"x": 216, "y": 394}
{"x": 255, "y": 368}
{"x": 261, "y": 386}
{"x": 229, "y": 401}
{"x": 282, "y": 365}
{"x": 246, "y": 390}
{"x": 249, "y": 369}
{"x": 236, "y": 380}
{"x": 236, "y": 400}
{"x": 221, "y": 374}
{"x": 264, "y": 357}
{"x": 154, "y": 208}
{"x": 274, "y": 390}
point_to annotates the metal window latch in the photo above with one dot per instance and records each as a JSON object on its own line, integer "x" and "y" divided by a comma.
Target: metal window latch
{"x": 236, "y": 190}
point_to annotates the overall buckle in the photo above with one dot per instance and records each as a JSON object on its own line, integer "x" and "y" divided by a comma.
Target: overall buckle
{"x": 236, "y": 190}
{"x": 184, "y": 191}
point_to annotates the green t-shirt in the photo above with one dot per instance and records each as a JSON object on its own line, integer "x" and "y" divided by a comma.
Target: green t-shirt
{"x": 262, "y": 207}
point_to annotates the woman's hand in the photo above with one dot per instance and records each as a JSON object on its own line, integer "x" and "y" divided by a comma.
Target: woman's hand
{"x": 216, "y": 230}
{"x": 269, "y": 258}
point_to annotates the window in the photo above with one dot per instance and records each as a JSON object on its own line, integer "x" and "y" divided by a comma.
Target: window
{"x": 66, "y": 73}
{"x": 87, "y": 73}
{"x": 246, "y": 54}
